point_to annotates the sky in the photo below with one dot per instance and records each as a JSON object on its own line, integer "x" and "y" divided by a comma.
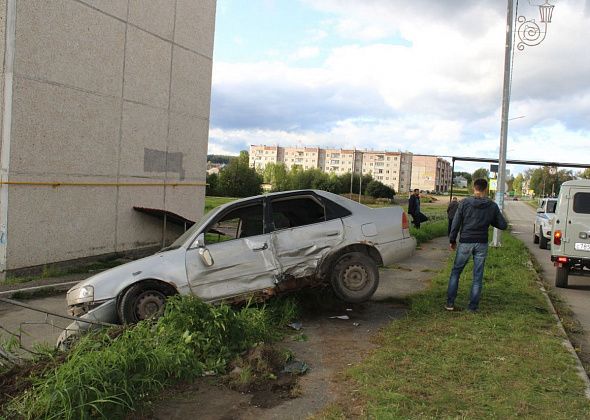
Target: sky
{"x": 423, "y": 76}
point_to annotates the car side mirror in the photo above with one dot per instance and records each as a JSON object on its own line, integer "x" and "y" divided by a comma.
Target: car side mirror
{"x": 540, "y": 210}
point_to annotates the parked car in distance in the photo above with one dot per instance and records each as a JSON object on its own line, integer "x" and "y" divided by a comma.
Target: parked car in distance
{"x": 570, "y": 250}
{"x": 543, "y": 221}
{"x": 258, "y": 246}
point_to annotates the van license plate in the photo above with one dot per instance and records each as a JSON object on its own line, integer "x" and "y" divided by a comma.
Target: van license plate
{"x": 581, "y": 246}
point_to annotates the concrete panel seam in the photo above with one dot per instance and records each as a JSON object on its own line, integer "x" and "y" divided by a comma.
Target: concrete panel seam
{"x": 144, "y": 30}
{"x": 116, "y": 233}
{"x": 24, "y": 76}
{"x": 102, "y": 95}
{"x": 9, "y": 57}
{"x": 169, "y": 119}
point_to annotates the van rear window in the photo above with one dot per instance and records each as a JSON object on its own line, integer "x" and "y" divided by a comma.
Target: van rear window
{"x": 582, "y": 203}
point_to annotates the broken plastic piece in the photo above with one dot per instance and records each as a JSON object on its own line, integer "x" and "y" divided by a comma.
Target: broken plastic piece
{"x": 296, "y": 325}
{"x": 296, "y": 366}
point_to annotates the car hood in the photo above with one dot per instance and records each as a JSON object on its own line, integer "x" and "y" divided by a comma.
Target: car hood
{"x": 167, "y": 266}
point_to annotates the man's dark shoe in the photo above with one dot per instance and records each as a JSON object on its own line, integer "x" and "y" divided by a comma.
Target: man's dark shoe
{"x": 472, "y": 311}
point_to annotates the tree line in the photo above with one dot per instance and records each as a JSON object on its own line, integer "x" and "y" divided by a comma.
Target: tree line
{"x": 543, "y": 181}
{"x": 238, "y": 179}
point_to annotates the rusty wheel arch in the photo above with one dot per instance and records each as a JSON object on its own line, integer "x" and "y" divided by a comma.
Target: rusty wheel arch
{"x": 331, "y": 259}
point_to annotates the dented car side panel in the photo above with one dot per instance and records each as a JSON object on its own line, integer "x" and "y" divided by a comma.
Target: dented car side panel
{"x": 240, "y": 266}
{"x": 299, "y": 250}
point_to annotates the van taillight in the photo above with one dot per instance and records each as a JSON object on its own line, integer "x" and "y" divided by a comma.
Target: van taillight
{"x": 562, "y": 260}
{"x": 405, "y": 222}
{"x": 557, "y": 237}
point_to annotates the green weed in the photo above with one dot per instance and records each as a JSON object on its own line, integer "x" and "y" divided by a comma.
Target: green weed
{"x": 110, "y": 372}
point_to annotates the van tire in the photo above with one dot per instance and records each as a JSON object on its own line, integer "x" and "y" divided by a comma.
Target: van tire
{"x": 561, "y": 276}
{"x": 543, "y": 242}
{"x": 355, "y": 277}
{"x": 535, "y": 236}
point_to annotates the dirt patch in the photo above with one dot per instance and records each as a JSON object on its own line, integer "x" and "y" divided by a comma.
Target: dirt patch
{"x": 327, "y": 344}
{"x": 19, "y": 378}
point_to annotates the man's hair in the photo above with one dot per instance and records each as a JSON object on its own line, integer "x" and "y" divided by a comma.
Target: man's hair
{"x": 454, "y": 198}
{"x": 416, "y": 189}
{"x": 480, "y": 185}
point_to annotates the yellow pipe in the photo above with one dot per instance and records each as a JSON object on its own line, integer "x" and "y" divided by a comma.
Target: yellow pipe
{"x": 105, "y": 184}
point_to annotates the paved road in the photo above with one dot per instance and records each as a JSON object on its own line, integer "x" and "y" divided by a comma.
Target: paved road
{"x": 577, "y": 295}
{"x": 34, "y": 327}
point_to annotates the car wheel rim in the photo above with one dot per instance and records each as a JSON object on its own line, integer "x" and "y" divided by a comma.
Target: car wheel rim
{"x": 149, "y": 304}
{"x": 355, "y": 277}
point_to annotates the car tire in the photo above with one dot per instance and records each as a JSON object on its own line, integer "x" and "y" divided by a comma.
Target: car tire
{"x": 355, "y": 277}
{"x": 535, "y": 236}
{"x": 142, "y": 301}
{"x": 543, "y": 242}
{"x": 561, "y": 276}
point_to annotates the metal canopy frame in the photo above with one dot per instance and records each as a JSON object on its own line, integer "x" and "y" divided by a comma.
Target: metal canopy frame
{"x": 510, "y": 161}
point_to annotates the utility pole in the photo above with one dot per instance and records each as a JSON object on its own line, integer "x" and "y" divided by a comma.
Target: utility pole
{"x": 505, "y": 111}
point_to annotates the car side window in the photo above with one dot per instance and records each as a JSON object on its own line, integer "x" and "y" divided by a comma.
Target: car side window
{"x": 582, "y": 203}
{"x": 551, "y": 206}
{"x": 296, "y": 211}
{"x": 238, "y": 223}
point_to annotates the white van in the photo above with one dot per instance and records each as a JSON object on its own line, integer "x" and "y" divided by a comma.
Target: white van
{"x": 570, "y": 250}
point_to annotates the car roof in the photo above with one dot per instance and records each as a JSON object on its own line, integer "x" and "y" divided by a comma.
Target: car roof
{"x": 343, "y": 201}
{"x": 577, "y": 183}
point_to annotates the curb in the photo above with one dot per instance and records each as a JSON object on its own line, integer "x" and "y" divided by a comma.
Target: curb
{"x": 566, "y": 342}
{"x": 65, "y": 285}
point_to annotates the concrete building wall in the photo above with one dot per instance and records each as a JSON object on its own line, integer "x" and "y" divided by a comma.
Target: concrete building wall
{"x": 431, "y": 173}
{"x": 110, "y": 101}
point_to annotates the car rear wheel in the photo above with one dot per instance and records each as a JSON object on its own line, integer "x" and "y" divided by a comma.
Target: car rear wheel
{"x": 355, "y": 277}
{"x": 142, "y": 301}
{"x": 535, "y": 236}
{"x": 543, "y": 242}
{"x": 561, "y": 276}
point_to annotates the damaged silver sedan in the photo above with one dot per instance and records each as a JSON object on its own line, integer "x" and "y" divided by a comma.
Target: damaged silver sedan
{"x": 259, "y": 246}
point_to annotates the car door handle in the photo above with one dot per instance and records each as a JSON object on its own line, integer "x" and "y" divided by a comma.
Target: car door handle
{"x": 332, "y": 233}
{"x": 261, "y": 248}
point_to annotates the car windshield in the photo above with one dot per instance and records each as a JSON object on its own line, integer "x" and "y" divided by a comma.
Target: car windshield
{"x": 551, "y": 205}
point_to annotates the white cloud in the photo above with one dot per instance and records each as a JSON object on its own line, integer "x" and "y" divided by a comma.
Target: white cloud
{"x": 439, "y": 94}
{"x": 305, "y": 53}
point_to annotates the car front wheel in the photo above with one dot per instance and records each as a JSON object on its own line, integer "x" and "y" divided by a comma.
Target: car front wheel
{"x": 142, "y": 301}
{"x": 355, "y": 277}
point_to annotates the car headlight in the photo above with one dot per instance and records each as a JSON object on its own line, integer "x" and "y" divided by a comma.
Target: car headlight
{"x": 84, "y": 294}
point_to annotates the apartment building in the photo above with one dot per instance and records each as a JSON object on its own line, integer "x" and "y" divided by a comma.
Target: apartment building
{"x": 430, "y": 173}
{"x": 393, "y": 169}
{"x": 260, "y": 156}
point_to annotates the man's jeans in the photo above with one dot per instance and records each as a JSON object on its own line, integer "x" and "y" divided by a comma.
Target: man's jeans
{"x": 464, "y": 251}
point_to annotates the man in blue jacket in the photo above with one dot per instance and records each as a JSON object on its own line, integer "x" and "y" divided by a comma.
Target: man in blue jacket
{"x": 471, "y": 222}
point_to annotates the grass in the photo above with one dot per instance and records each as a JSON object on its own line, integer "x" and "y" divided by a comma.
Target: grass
{"x": 505, "y": 361}
{"x": 212, "y": 202}
{"x": 110, "y": 372}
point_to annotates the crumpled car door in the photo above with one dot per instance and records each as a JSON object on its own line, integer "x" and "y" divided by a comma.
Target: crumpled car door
{"x": 242, "y": 262}
{"x": 301, "y": 236}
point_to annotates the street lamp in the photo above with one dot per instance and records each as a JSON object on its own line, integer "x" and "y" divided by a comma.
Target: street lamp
{"x": 530, "y": 34}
